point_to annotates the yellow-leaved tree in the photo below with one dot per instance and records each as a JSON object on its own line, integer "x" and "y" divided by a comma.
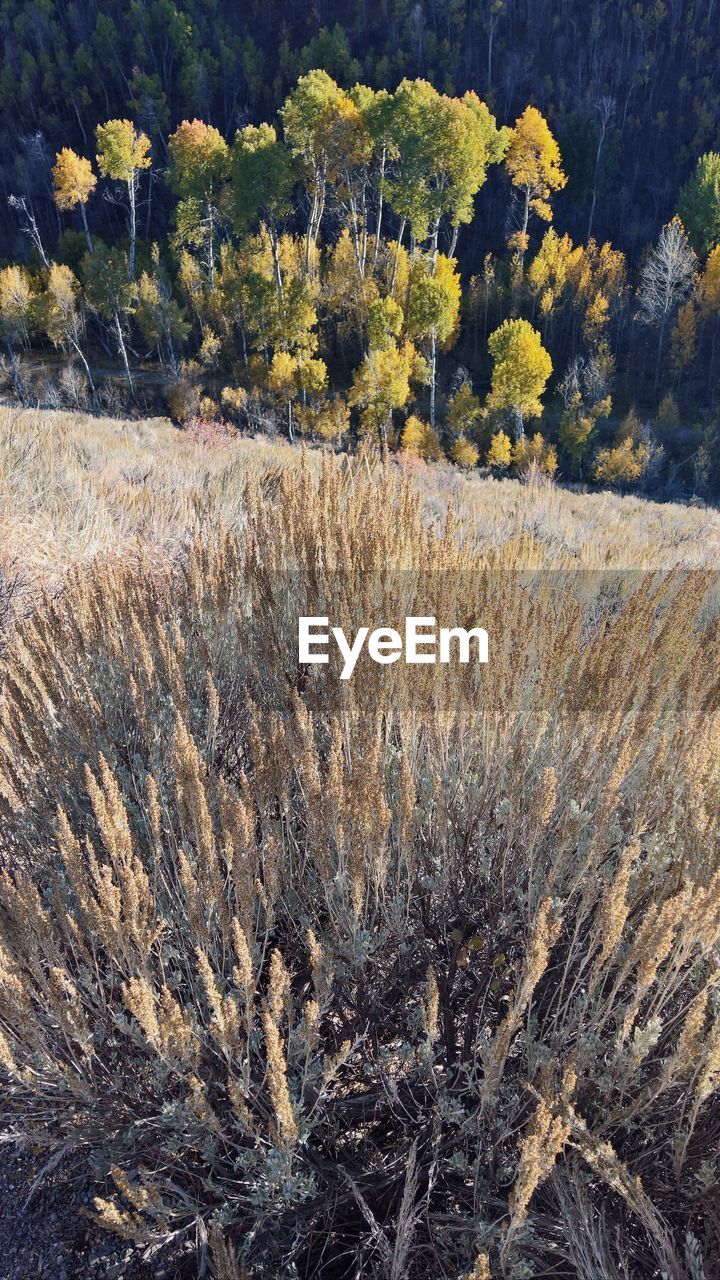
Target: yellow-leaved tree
{"x": 16, "y": 317}
{"x": 382, "y": 384}
{"x": 122, "y": 154}
{"x": 535, "y": 167}
{"x": 418, "y": 437}
{"x": 465, "y": 453}
{"x": 434, "y": 309}
{"x": 499, "y": 455}
{"x": 554, "y": 267}
{"x": 623, "y": 465}
{"x": 62, "y": 314}
{"x": 577, "y": 425}
{"x": 521, "y": 368}
{"x": 73, "y": 184}
{"x": 293, "y": 373}
{"x": 536, "y": 454}
{"x": 200, "y": 167}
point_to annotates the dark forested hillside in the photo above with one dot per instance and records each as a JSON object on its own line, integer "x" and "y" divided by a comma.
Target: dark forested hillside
{"x": 67, "y": 66}
{"x": 601, "y": 256}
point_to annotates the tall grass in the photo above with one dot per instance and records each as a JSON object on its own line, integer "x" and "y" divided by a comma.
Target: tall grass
{"x": 413, "y": 975}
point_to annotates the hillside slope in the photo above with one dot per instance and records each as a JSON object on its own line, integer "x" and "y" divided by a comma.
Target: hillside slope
{"x": 73, "y": 487}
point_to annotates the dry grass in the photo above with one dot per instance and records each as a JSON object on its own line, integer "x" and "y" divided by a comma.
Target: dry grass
{"x": 412, "y": 976}
{"x": 595, "y": 530}
{"x": 73, "y": 487}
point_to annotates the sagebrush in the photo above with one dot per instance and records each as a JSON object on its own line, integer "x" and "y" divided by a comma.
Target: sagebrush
{"x": 413, "y": 975}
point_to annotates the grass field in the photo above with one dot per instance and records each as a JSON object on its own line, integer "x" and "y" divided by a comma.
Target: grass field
{"x": 73, "y": 487}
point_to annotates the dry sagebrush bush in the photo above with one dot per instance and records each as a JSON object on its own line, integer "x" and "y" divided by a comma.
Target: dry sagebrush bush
{"x": 411, "y": 975}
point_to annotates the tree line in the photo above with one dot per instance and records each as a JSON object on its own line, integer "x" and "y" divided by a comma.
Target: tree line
{"x": 313, "y": 266}
{"x": 629, "y": 86}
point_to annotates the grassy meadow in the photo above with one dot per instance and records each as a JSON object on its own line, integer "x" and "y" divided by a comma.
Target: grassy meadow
{"x": 411, "y": 976}
{"x": 73, "y": 487}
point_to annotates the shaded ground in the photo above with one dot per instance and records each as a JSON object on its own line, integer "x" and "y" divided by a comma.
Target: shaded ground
{"x": 51, "y": 1236}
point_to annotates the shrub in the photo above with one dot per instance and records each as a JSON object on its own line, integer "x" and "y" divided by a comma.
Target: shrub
{"x": 327, "y": 420}
{"x": 209, "y": 352}
{"x": 184, "y": 395}
{"x": 630, "y": 428}
{"x": 667, "y": 419}
{"x": 534, "y": 454}
{"x": 234, "y": 400}
{"x": 464, "y": 411}
{"x": 622, "y": 466}
{"x": 207, "y": 407}
{"x": 499, "y": 455}
{"x": 465, "y": 453}
{"x": 410, "y": 967}
{"x": 418, "y": 437}
{"x": 212, "y": 432}
{"x": 74, "y": 387}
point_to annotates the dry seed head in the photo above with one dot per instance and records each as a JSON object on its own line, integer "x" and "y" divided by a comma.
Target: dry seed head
{"x": 190, "y": 793}
{"x": 199, "y": 1104}
{"x": 652, "y": 946}
{"x": 226, "y": 1264}
{"x": 613, "y": 909}
{"x": 243, "y": 969}
{"x": 685, "y": 1056}
{"x": 543, "y": 1141}
{"x": 238, "y": 1103}
{"x": 311, "y": 1016}
{"x": 332, "y": 1064}
{"x": 481, "y": 1270}
{"x": 177, "y": 1035}
{"x": 7, "y": 1061}
{"x": 547, "y": 795}
{"x": 278, "y": 1081}
{"x": 213, "y": 708}
{"x": 66, "y": 1005}
{"x": 271, "y": 870}
{"x": 702, "y": 918}
{"x": 189, "y": 886}
{"x": 321, "y": 971}
{"x": 225, "y": 1019}
{"x": 140, "y": 1000}
{"x": 603, "y": 1158}
{"x": 128, "y": 1225}
{"x": 278, "y": 986}
{"x": 142, "y": 1198}
{"x": 545, "y": 931}
{"x": 656, "y": 945}
{"x": 240, "y": 849}
{"x": 544, "y": 935}
{"x": 110, "y": 813}
{"x": 153, "y": 809}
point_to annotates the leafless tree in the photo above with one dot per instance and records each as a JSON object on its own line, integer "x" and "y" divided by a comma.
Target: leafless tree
{"x": 667, "y": 279}
{"x": 605, "y": 108}
{"x": 587, "y": 377}
{"x": 28, "y": 224}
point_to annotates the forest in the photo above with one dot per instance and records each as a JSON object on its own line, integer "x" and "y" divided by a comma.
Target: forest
{"x": 453, "y": 229}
